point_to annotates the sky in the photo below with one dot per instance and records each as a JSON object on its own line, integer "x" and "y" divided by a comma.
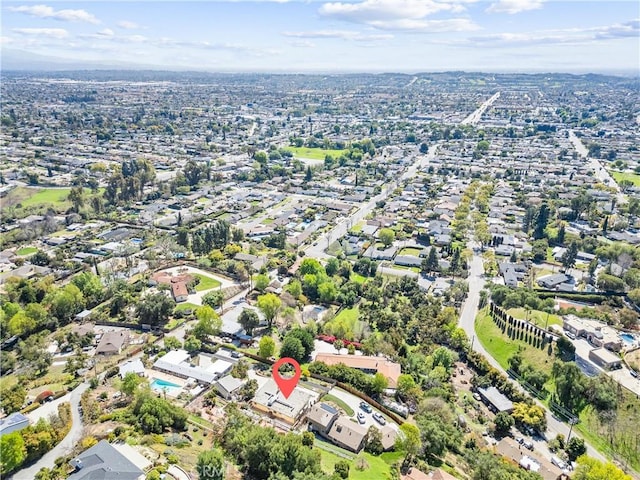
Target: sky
{"x": 331, "y": 36}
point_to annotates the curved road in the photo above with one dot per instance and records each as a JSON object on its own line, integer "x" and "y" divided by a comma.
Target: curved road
{"x": 67, "y": 443}
{"x": 467, "y": 322}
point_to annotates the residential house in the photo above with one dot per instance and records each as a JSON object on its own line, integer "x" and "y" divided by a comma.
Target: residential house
{"x": 552, "y": 281}
{"x": 321, "y": 417}
{"x": 104, "y": 462}
{"x": 112, "y": 343}
{"x": 14, "y": 422}
{"x": 132, "y": 366}
{"x": 269, "y": 400}
{"x": 368, "y": 364}
{"x": 347, "y": 434}
{"x": 228, "y": 385}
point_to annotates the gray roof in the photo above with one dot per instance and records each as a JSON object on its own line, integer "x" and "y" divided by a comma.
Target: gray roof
{"x": 497, "y": 399}
{"x": 104, "y": 462}
{"x": 15, "y": 421}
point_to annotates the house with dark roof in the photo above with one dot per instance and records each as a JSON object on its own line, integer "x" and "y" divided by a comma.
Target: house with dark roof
{"x": 112, "y": 343}
{"x": 104, "y": 462}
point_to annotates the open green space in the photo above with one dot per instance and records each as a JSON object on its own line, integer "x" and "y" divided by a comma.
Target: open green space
{"x": 314, "y": 153}
{"x": 339, "y": 402}
{"x": 357, "y": 278}
{"x": 378, "y": 468}
{"x": 26, "y": 251}
{"x": 410, "y": 251}
{"x": 631, "y": 177}
{"x": 535, "y": 316}
{"x": 186, "y": 306}
{"x": 501, "y": 347}
{"x": 349, "y": 316}
{"x": 206, "y": 282}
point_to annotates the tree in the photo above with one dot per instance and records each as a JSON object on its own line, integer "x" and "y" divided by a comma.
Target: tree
{"x": 592, "y": 469}
{"x": 575, "y": 448}
{"x": 209, "y": 322}
{"x": 12, "y": 399}
{"x": 40, "y": 258}
{"x": 269, "y": 304}
{"x": 240, "y": 369}
{"x": 261, "y": 282}
{"x": 130, "y": 383}
{"x": 379, "y": 383}
{"x": 210, "y": 465}
{"x": 341, "y": 469}
{"x": 266, "y": 347}
{"x": 192, "y": 344}
{"x": 610, "y": 283}
{"x": 430, "y": 264}
{"x": 155, "y": 309}
{"x": 249, "y": 320}
{"x": 533, "y": 416}
{"x": 248, "y": 390}
{"x": 172, "y": 343}
{"x": 503, "y": 422}
{"x": 292, "y": 348}
{"x": 386, "y": 236}
{"x": 13, "y": 452}
{"x": 409, "y": 442}
{"x": 373, "y": 441}
{"x": 570, "y": 255}
{"x": 214, "y": 299}
{"x": 541, "y": 221}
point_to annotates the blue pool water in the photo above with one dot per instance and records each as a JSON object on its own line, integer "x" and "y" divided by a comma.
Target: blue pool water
{"x": 163, "y": 386}
{"x": 627, "y": 338}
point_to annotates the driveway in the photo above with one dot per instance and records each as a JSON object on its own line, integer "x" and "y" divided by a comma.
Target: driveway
{"x": 67, "y": 443}
{"x": 354, "y": 403}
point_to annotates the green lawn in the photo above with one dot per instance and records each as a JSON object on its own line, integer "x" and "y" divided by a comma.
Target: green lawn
{"x": 37, "y": 196}
{"x": 535, "y": 316}
{"x": 340, "y": 403}
{"x": 206, "y": 282}
{"x": 357, "y": 278}
{"x": 26, "y": 251}
{"x": 378, "y": 468}
{"x": 620, "y": 176}
{"x": 348, "y": 315}
{"x": 267, "y": 221}
{"x": 410, "y": 251}
{"x": 186, "y": 306}
{"x": 314, "y": 153}
{"x": 501, "y": 347}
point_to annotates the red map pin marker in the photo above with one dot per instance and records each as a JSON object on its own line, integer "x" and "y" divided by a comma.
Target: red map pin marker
{"x": 286, "y": 384}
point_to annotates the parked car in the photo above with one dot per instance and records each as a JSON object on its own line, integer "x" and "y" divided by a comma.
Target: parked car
{"x": 571, "y": 335}
{"x": 528, "y": 444}
{"x": 633, "y": 373}
{"x": 379, "y": 418}
{"x": 360, "y": 417}
{"x": 520, "y": 440}
{"x": 477, "y": 397}
{"x": 366, "y": 407}
{"x": 558, "y": 463}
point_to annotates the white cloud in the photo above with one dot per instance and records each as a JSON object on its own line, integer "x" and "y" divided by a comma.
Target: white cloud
{"x": 514, "y": 6}
{"x": 427, "y": 26}
{"x": 559, "y": 36}
{"x": 401, "y": 15}
{"x": 67, "y": 15}
{"x": 43, "y": 32}
{"x": 343, "y": 34}
{"x": 127, "y": 25}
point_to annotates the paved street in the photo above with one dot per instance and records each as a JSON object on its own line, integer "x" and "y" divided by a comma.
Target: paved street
{"x": 467, "y": 322}
{"x": 67, "y": 443}
{"x": 316, "y": 250}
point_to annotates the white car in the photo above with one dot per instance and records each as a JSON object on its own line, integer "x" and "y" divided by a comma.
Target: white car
{"x": 379, "y": 418}
{"x": 361, "y": 418}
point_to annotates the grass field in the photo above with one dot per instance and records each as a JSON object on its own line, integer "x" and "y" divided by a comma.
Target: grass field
{"x": 32, "y": 197}
{"x": 501, "y": 347}
{"x": 186, "y": 306}
{"x": 356, "y": 277}
{"x": 26, "y": 251}
{"x": 349, "y": 316}
{"x": 206, "y": 282}
{"x": 378, "y": 468}
{"x": 535, "y": 316}
{"x": 340, "y": 403}
{"x": 314, "y": 153}
{"x": 620, "y": 176}
{"x": 410, "y": 251}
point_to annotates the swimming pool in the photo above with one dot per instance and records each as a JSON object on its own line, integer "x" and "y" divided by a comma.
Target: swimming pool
{"x": 169, "y": 388}
{"x": 627, "y": 338}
